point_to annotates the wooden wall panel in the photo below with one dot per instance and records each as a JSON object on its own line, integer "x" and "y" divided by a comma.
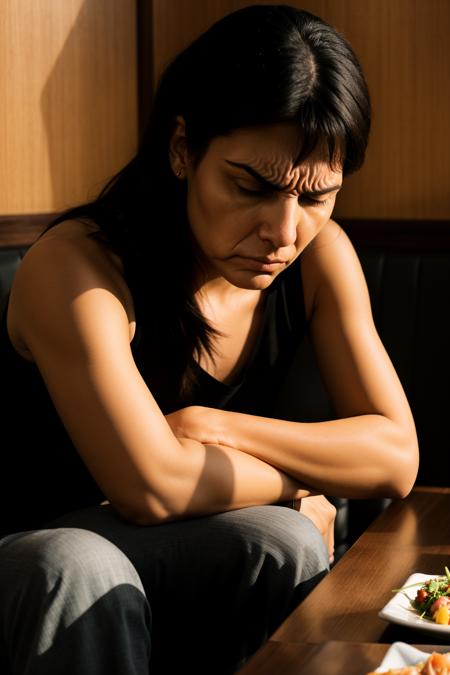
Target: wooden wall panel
{"x": 68, "y": 86}
{"x": 405, "y": 51}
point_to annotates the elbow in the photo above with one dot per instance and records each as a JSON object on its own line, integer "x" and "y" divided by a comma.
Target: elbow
{"x": 173, "y": 491}
{"x": 403, "y": 470}
{"x": 155, "y": 499}
{"x": 400, "y": 489}
{"x": 146, "y": 511}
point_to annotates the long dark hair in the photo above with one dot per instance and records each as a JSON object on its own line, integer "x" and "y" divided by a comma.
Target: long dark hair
{"x": 259, "y": 65}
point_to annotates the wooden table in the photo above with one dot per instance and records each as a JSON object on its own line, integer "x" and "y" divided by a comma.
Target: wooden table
{"x": 338, "y": 621}
{"x": 327, "y": 658}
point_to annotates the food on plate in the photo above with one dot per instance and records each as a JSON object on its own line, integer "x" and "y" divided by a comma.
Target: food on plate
{"x": 436, "y": 664}
{"x": 432, "y": 599}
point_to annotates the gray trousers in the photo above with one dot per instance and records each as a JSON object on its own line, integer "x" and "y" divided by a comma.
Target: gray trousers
{"x": 94, "y": 595}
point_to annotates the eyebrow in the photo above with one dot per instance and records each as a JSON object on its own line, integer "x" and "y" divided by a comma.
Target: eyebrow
{"x": 268, "y": 185}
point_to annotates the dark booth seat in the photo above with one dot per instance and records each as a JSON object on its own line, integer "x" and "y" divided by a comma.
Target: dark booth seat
{"x": 9, "y": 259}
{"x": 407, "y": 267}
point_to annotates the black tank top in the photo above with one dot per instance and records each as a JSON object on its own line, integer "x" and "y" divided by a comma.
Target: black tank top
{"x": 42, "y": 474}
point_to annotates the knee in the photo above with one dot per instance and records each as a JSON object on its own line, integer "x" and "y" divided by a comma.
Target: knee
{"x": 292, "y": 558}
{"x": 68, "y": 561}
{"x": 297, "y": 542}
{"x": 64, "y": 584}
{"x": 280, "y": 555}
{"x": 84, "y": 555}
{"x": 284, "y": 540}
{"x": 83, "y": 561}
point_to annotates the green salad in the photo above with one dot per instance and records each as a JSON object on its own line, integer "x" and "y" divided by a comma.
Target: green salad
{"x": 432, "y": 600}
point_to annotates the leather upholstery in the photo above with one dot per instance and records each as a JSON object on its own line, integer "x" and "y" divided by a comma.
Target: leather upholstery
{"x": 9, "y": 259}
{"x": 411, "y": 303}
{"x": 410, "y": 294}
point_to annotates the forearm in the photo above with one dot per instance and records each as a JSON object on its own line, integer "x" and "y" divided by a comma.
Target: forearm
{"x": 360, "y": 456}
{"x": 211, "y": 478}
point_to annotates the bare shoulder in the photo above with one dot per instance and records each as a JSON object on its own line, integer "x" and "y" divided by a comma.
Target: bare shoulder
{"x": 70, "y": 249}
{"x": 332, "y": 272}
{"x": 62, "y": 266}
{"x": 328, "y": 235}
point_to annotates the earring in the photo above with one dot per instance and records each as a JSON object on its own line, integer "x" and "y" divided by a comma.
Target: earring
{"x": 179, "y": 173}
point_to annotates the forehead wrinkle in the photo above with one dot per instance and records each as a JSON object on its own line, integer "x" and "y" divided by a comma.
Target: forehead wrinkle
{"x": 278, "y": 170}
{"x": 273, "y": 170}
{"x": 306, "y": 177}
{"x": 319, "y": 176}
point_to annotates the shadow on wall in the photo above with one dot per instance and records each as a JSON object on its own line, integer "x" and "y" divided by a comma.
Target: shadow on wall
{"x": 89, "y": 101}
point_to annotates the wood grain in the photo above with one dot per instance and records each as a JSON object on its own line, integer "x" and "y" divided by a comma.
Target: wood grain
{"x": 68, "y": 87}
{"x": 404, "y": 48}
{"x": 329, "y": 658}
{"x": 281, "y": 658}
{"x": 22, "y": 230}
{"x": 410, "y": 536}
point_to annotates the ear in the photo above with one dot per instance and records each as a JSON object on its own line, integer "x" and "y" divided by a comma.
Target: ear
{"x": 178, "y": 153}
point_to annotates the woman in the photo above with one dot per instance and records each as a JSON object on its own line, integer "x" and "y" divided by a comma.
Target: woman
{"x": 146, "y": 337}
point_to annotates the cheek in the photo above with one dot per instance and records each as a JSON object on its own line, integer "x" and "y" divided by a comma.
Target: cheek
{"x": 214, "y": 217}
{"x": 312, "y": 223}
{"x": 205, "y": 200}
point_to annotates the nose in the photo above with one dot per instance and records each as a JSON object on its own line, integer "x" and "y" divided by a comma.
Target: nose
{"x": 279, "y": 221}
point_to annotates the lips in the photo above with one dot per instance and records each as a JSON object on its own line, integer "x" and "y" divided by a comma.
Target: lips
{"x": 265, "y": 260}
{"x": 269, "y": 261}
{"x": 262, "y": 264}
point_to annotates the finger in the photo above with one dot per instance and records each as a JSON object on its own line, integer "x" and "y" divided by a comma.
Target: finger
{"x": 331, "y": 542}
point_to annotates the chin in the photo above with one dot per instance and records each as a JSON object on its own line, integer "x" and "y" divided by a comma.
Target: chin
{"x": 251, "y": 281}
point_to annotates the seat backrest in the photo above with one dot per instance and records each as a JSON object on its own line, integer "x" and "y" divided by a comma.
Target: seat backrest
{"x": 410, "y": 295}
{"x": 407, "y": 268}
{"x": 9, "y": 260}
{"x": 408, "y": 276}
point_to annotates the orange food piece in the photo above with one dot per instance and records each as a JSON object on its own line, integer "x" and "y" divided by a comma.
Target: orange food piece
{"x": 442, "y": 615}
{"x": 436, "y": 664}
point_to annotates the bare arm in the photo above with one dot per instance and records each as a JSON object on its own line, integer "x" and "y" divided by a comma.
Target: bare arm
{"x": 371, "y": 450}
{"x": 68, "y": 306}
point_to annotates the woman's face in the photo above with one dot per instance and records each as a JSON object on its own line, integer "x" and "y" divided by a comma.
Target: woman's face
{"x": 251, "y": 210}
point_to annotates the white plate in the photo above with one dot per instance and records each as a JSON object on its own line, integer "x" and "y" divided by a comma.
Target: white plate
{"x": 400, "y": 655}
{"x": 399, "y": 610}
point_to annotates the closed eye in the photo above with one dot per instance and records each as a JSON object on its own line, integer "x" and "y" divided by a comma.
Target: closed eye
{"x": 260, "y": 190}
{"x": 310, "y": 201}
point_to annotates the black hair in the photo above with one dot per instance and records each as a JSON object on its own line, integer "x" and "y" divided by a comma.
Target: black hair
{"x": 259, "y": 65}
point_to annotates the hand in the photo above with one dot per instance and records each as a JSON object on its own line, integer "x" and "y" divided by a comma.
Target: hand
{"x": 322, "y": 513}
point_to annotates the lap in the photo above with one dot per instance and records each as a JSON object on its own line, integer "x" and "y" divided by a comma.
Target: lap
{"x": 281, "y": 533}
{"x": 202, "y": 545}
{"x": 231, "y": 577}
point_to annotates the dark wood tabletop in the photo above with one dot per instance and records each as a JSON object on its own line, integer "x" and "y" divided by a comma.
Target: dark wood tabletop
{"x": 336, "y": 629}
{"x": 411, "y": 535}
{"x": 327, "y": 658}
